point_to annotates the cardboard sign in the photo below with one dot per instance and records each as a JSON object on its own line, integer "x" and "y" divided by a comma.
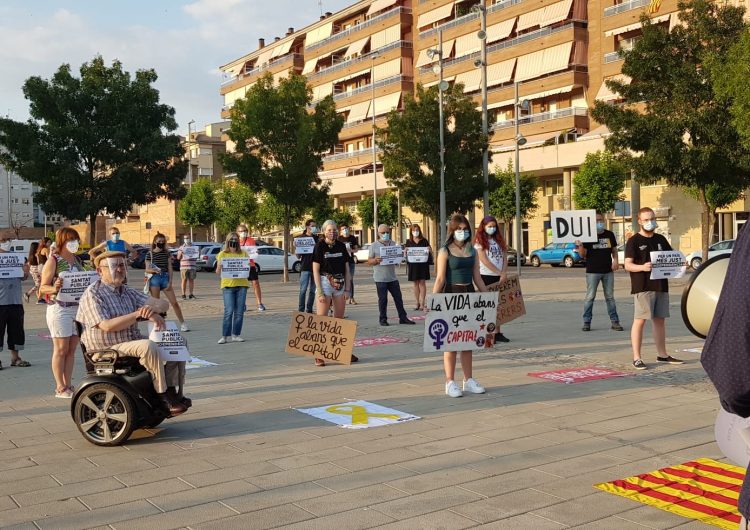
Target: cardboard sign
{"x": 417, "y": 254}
{"x": 330, "y": 339}
{"x": 190, "y": 252}
{"x": 459, "y": 321}
{"x": 667, "y": 264}
{"x": 304, "y": 245}
{"x": 74, "y": 284}
{"x": 251, "y": 251}
{"x": 359, "y": 415}
{"x": 391, "y": 255}
{"x": 510, "y": 303}
{"x": 233, "y": 268}
{"x": 172, "y": 345}
{"x": 11, "y": 265}
{"x": 577, "y": 375}
{"x": 571, "y": 225}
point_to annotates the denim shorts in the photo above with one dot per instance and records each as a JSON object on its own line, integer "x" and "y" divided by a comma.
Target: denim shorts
{"x": 160, "y": 280}
{"x": 328, "y": 289}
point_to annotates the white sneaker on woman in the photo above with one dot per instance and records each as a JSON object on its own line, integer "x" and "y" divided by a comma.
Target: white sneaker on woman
{"x": 237, "y": 338}
{"x": 472, "y": 387}
{"x": 452, "y": 390}
{"x": 184, "y": 327}
{"x": 222, "y": 340}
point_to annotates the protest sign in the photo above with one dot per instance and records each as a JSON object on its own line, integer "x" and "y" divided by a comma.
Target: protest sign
{"x": 417, "y": 254}
{"x": 391, "y": 255}
{"x": 510, "y": 302}
{"x": 74, "y": 284}
{"x": 667, "y": 264}
{"x": 172, "y": 345}
{"x": 232, "y": 268}
{"x": 330, "y": 339}
{"x": 459, "y": 321}
{"x": 359, "y": 415}
{"x": 571, "y": 225}
{"x": 11, "y": 265}
{"x": 251, "y": 251}
{"x": 190, "y": 252}
{"x": 304, "y": 245}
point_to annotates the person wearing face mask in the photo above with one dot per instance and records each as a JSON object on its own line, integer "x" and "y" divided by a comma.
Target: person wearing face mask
{"x": 306, "y": 282}
{"x": 11, "y": 308}
{"x": 352, "y": 245}
{"x": 458, "y": 272}
{"x": 247, "y": 241}
{"x": 234, "y": 292}
{"x": 492, "y": 252}
{"x": 385, "y": 278}
{"x": 601, "y": 265}
{"x": 114, "y": 244}
{"x": 159, "y": 266}
{"x": 418, "y": 273}
{"x": 187, "y": 267}
{"x": 650, "y": 297}
{"x": 61, "y": 315}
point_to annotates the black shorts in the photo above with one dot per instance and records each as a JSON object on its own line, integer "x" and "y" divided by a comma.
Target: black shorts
{"x": 253, "y": 276}
{"x": 11, "y": 318}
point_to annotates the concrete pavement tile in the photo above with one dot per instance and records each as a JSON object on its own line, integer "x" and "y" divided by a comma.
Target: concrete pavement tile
{"x": 192, "y": 517}
{"x": 436, "y": 480}
{"x": 36, "y": 470}
{"x": 524, "y": 521}
{"x": 206, "y": 478}
{"x": 266, "y": 518}
{"x": 318, "y": 457}
{"x": 586, "y": 446}
{"x": 70, "y": 491}
{"x": 499, "y": 433}
{"x": 576, "y": 466}
{"x": 297, "y": 476}
{"x": 680, "y": 440}
{"x": 466, "y": 458}
{"x": 350, "y": 500}
{"x": 6, "y": 503}
{"x": 442, "y": 520}
{"x": 169, "y": 501}
{"x": 351, "y": 520}
{"x": 276, "y": 497}
{"x": 517, "y": 445}
{"x": 136, "y": 478}
{"x": 22, "y": 430}
{"x": 599, "y": 505}
{"x": 516, "y": 480}
{"x": 391, "y": 442}
{"x": 171, "y": 454}
{"x": 26, "y": 485}
{"x": 513, "y": 462}
{"x": 368, "y": 460}
{"x": 506, "y": 505}
{"x": 134, "y": 493}
{"x": 366, "y": 477}
{"x": 613, "y": 522}
{"x": 15, "y": 463}
{"x": 251, "y": 454}
{"x": 436, "y": 447}
{"x": 51, "y": 452}
{"x": 652, "y": 517}
{"x": 422, "y": 503}
{"x": 123, "y": 467}
{"x": 39, "y": 512}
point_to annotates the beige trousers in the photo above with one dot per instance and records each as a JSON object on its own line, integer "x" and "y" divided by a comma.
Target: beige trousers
{"x": 743, "y": 524}
{"x": 148, "y": 355}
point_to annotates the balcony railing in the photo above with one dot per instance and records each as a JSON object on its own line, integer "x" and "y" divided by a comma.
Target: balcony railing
{"x": 358, "y": 27}
{"x": 450, "y": 24}
{"x": 378, "y": 117}
{"x": 349, "y": 154}
{"x": 362, "y": 58}
{"x": 542, "y": 116}
{"x": 625, "y": 6}
{"x": 275, "y": 62}
{"x": 612, "y": 57}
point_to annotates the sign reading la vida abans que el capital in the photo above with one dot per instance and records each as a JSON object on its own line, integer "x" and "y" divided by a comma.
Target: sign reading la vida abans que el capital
{"x": 460, "y": 321}
{"x": 569, "y": 226}
{"x": 330, "y": 339}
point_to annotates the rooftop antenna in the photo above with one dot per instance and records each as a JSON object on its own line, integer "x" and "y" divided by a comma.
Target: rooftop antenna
{"x": 320, "y": 5}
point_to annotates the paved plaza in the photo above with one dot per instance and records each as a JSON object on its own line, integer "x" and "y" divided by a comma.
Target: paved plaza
{"x": 523, "y": 455}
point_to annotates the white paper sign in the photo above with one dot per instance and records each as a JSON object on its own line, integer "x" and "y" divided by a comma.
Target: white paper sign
{"x": 74, "y": 284}
{"x": 190, "y": 252}
{"x": 11, "y": 265}
{"x": 391, "y": 255}
{"x": 571, "y": 225}
{"x": 459, "y": 321}
{"x": 233, "y": 268}
{"x": 304, "y": 245}
{"x": 417, "y": 254}
{"x": 733, "y": 437}
{"x": 667, "y": 264}
{"x": 359, "y": 415}
{"x": 251, "y": 251}
{"x": 172, "y": 345}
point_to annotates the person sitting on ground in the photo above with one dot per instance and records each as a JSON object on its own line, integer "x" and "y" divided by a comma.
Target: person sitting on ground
{"x": 109, "y": 311}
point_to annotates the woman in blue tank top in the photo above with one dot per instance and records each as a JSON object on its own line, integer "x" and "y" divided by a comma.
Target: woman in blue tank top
{"x": 457, "y": 272}
{"x": 114, "y": 244}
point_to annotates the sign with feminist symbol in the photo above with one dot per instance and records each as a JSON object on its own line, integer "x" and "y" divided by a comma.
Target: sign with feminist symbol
{"x": 459, "y": 321}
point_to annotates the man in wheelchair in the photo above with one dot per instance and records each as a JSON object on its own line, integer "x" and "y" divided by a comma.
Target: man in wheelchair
{"x": 109, "y": 311}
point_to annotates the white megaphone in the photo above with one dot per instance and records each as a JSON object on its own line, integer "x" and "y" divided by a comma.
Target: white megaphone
{"x": 699, "y": 301}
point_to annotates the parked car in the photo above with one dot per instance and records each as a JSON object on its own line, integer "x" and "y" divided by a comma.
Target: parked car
{"x": 556, "y": 254}
{"x": 207, "y": 259}
{"x": 512, "y": 254}
{"x": 621, "y": 255}
{"x": 695, "y": 259}
{"x": 138, "y": 258}
{"x": 363, "y": 254}
{"x": 271, "y": 259}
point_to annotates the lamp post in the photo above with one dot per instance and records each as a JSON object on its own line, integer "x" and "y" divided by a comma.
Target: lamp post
{"x": 373, "y": 56}
{"x": 190, "y": 167}
{"x": 520, "y": 140}
{"x": 442, "y": 87}
{"x": 482, "y": 63}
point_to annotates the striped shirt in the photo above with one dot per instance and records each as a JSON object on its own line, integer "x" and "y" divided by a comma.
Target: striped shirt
{"x": 160, "y": 258}
{"x": 102, "y": 302}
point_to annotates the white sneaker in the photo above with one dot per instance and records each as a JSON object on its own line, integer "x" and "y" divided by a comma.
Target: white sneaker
{"x": 222, "y": 340}
{"x": 65, "y": 394}
{"x": 184, "y": 327}
{"x": 452, "y": 390}
{"x": 472, "y": 387}
{"x": 237, "y": 338}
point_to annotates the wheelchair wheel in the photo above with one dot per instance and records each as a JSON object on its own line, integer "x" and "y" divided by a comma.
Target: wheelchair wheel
{"x": 104, "y": 414}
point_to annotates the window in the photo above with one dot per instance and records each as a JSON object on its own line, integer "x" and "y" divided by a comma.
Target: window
{"x": 205, "y": 151}
{"x": 205, "y": 171}
{"x": 25, "y": 201}
{"x": 553, "y": 187}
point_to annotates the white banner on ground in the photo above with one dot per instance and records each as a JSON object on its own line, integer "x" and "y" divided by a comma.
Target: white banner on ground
{"x": 172, "y": 345}
{"x": 74, "y": 284}
{"x": 391, "y": 255}
{"x": 304, "y": 245}
{"x": 417, "y": 254}
{"x": 459, "y": 321}
{"x": 359, "y": 415}
{"x": 195, "y": 362}
{"x": 233, "y": 268}
{"x": 11, "y": 265}
{"x": 667, "y": 264}
{"x": 571, "y": 225}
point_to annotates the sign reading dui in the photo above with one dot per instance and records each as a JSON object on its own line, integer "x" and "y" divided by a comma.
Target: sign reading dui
{"x": 571, "y": 225}
{"x": 232, "y": 268}
{"x": 304, "y": 245}
{"x": 330, "y": 339}
{"x": 11, "y": 265}
{"x": 172, "y": 345}
{"x": 74, "y": 284}
{"x": 667, "y": 264}
{"x": 459, "y": 321}
{"x": 510, "y": 303}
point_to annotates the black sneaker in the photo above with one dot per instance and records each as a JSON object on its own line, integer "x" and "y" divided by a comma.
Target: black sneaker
{"x": 617, "y": 327}
{"x": 184, "y": 297}
{"x": 499, "y": 337}
{"x": 669, "y": 360}
{"x": 638, "y": 364}
{"x": 586, "y": 326}
{"x": 406, "y": 321}
{"x": 384, "y": 323}
{"x": 192, "y": 297}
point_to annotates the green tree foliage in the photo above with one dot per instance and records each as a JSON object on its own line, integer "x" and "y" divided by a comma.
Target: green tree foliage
{"x": 235, "y": 203}
{"x": 387, "y": 210}
{"x": 280, "y": 144}
{"x": 411, "y": 151}
{"x": 95, "y": 142}
{"x": 599, "y": 182}
{"x": 270, "y": 214}
{"x": 326, "y": 211}
{"x": 198, "y": 207}
{"x": 503, "y": 195}
{"x": 682, "y": 131}
{"x": 732, "y": 84}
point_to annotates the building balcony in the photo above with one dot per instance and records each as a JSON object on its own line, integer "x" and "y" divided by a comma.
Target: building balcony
{"x": 366, "y": 58}
{"x": 349, "y": 159}
{"x": 542, "y": 117}
{"x": 625, "y": 6}
{"x": 355, "y": 31}
{"x": 292, "y": 60}
{"x": 612, "y": 57}
{"x": 467, "y": 18}
{"x": 343, "y": 95}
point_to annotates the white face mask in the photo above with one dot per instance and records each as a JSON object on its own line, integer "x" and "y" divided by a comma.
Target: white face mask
{"x": 5, "y": 246}
{"x": 115, "y": 237}
{"x": 490, "y": 230}
{"x": 345, "y": 232}
{"x": 243, "y": 235}
{"x": 72, "y": 246}
{"x": 461, "y": 235}
{"x": 313, "y": 229}
{"x": 415, "y": 233}
{"x": 650, "y": 226}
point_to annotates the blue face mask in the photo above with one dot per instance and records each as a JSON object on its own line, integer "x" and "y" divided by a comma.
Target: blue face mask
{"x": 649, "y": 226}
{"x": 115, "y": 237}
{"x": 460, "y": 235}
{"x": 600, "y": 227}
{"x": 385, "y": 237}
{"x": 313, "y": 229}
{"x": 490, "y": 230}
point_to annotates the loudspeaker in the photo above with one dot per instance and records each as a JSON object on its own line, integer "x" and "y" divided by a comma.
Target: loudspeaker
{"x": 701, "y": 295}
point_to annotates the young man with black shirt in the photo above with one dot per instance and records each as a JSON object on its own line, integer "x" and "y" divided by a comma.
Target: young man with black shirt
{"x": 306, "y": 283}
{"x": 650, "y": 297}
{"x": 352, "y": 246}
{"x": 601, "y": 265}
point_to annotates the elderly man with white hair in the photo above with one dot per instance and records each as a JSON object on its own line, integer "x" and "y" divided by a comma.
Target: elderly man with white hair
{"x": 385, "y": 278}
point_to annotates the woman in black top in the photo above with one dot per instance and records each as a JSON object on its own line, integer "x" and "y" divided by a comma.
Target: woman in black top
{"x": 159, "y": 274}
{"x": 418, "y": 273}
{"x": 331, "y": 275}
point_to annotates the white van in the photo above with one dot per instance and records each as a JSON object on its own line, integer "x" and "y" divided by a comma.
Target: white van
{"x": 21, "y": 246}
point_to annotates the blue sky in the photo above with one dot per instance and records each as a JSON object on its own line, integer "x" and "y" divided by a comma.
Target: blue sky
{"x": 185, "y": 41}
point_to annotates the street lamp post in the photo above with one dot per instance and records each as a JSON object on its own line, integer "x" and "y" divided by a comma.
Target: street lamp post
{"x": 373, "y": 56}
{"x": 442, "y": 86}
{"x": 520, "y": 140}
{"x": 190, "y": 168}
{"x": 482, "y": 63}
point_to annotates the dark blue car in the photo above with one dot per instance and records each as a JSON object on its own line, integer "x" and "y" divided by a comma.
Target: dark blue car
{"x": 556, "y": 254}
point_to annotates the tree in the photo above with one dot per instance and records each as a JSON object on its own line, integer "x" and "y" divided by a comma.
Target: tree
{"x": 270, "y": 214}
{"x": 503, "y": 196}
{"x": 387, "y": 210}
{"x": 95, "y": 142}
{"x": 599, "y": 182}
{"x": 682, "y": 132}
{"x": 236, "y": 203}
{"x": 327, "y": 211}
{"x": 198, "y": 207}
{"x": 411, "y": 151}
{"x": 280, "y": 144}
{"x": 731, "y": 83}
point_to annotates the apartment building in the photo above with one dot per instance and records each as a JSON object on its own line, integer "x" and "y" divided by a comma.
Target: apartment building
{"x": 560, "y": 52}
